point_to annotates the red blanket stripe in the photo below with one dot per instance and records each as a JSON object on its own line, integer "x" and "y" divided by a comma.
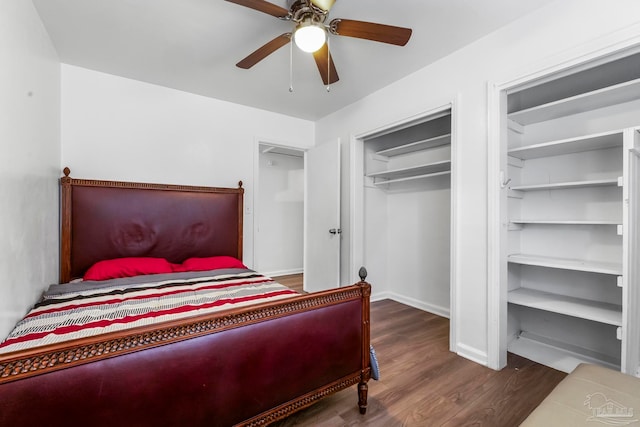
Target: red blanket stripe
{"x": 129, "y": 319}
{"x": 70, "y": 305}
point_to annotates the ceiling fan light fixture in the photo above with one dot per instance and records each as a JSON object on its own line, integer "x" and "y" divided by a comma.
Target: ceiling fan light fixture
{"x": 310, "y": 36}
{"x": 323, "y": 4}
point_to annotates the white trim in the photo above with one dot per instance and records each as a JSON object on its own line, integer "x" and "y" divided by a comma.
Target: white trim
{"x": 379, "y": 296}
{"x": 472, "y": 354}
{"x": 420, "y": 305}
{"x": 356, "y": 208}
{"x": 605, "y": 48}
{"x": 411, "y": 302}
{"x": 282, "y": 272}
{"x": 256, "y": 189}
{"x": 631, "y": 291}
{"x": 406, "y": 122}
{"x": 455, "y": 244}
{"x": 496, "y": 307}
{"x": 629, "y": 330}
{"x": 305, "y": 231}
{"x": 618, "y": 43}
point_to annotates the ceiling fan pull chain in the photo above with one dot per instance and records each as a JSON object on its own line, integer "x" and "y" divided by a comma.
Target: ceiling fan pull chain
{"x": 291, "y": 65}
{"x": 328, "y": 64}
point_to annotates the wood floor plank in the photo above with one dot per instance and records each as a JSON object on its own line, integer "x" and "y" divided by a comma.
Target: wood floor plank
{"x": 424, "y": 384}
{"x": 293, "y": 281}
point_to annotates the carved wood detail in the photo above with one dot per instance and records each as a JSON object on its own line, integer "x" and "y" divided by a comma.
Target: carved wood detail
{"x": 302, "y": 402}
{"x": 26, "y": 363}
{"x": 67, "y": 183}
{"x": 37, "y": 361}
{"x": 150, "y": 186}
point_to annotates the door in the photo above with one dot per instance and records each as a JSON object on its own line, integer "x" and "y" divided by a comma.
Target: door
{"x": 631, "y": 233}
{"x": 322, "y": 217}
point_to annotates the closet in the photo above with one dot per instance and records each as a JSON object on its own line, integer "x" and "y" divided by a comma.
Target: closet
{"x": 571, "y": 241}
{"x": 279, "y": 210}
{"x": 407, "y": 211}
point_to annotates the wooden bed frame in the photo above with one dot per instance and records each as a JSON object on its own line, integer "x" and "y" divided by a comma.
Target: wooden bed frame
{"x": 243, "y": 366}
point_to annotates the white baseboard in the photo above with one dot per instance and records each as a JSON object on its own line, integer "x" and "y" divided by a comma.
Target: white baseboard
{"x": 472, "y": 354}
{"x": 412, "y": 302}
{"x": 379, "y": 296}
{"x": 282, "y": 272}
{"x": 462, "y": 350}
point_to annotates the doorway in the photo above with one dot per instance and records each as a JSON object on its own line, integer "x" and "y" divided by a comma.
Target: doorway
{"x": 279, "y": 210}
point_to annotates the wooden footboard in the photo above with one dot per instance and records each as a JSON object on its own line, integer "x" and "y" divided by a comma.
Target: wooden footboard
{"x": 243, "y": 366}
{"x": 248, "y": 366}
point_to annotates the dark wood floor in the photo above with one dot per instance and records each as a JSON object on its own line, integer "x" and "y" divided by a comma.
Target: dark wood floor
{"x": 293, "y": 281}
{"x": 423, "y": 384}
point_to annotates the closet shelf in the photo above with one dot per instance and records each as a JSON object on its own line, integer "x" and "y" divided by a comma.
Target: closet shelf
{"x": 599, "y": 141}
{"x": 556, "y": 357}
{"x": 411, "y": 178}
{"x": 412, "y": 172}
{"x": 412, "y": 147}
{"x": 611, "y": 95}
{"x": 567, "y": 264}
{"x": 568, "y": 185}
{"x": 565, "y": 222}
{"x": 610, "y": 314}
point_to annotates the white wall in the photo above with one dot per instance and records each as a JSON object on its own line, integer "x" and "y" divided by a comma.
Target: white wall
{"x": 115, "y": 128}
{"x": 29, "y": 160}
{"x": 280, "y": 214}
{"x": 543, "y": 39}
{"x": 121, "y": 129}
{"x": 419, "y": 245}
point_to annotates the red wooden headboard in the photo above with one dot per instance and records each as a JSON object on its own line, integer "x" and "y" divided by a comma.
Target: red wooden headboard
{"x": 110, "y": 219}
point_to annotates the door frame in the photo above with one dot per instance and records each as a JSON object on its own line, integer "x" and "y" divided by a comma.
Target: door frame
{"x": 601, "y": 50}
{"x": 357, "y": 204}
{"x": 256, "y": 188}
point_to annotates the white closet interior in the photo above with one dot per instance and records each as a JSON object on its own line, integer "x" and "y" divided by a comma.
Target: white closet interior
{"x": 407, "y": 211}
{"x": 572, "y": 190}
{"x": 279, "y": 210}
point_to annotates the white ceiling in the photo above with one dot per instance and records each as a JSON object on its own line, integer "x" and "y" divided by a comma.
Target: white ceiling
{"x": 193, "y": 45}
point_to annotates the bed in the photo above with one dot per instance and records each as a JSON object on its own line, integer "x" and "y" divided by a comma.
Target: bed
{"x": 250, "y": 363}
{"x": 590, "y": 395}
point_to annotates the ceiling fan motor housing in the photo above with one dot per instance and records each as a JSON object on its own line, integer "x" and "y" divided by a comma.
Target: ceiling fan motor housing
{"x": 304, "y": 10}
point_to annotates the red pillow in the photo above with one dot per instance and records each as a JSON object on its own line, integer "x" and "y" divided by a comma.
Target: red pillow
{"x": 127, "y": 267}
{"x": 210, "y": 263}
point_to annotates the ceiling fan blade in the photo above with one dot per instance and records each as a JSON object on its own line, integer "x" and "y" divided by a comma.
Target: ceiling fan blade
{"x": 264, "y": 51}
{"x": 325, "y": 5}
{"x": 263, "y": 6}
{"x": 371, "y": 31}
{"x": 325, "y": 64}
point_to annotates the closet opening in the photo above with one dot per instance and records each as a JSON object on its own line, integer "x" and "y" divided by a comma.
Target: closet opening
{"x": 403, "y": 232}
{"x": 564, "y": 278}
{"x": 279, "y": 211}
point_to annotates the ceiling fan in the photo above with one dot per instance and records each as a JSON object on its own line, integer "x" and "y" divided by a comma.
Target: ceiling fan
{"x": 310, "y": 32}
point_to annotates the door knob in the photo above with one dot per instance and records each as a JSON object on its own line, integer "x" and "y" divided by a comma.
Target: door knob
{"x": 335, "y": 231}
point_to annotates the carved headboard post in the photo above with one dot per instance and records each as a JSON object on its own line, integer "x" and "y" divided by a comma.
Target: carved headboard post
{"x": 240, "y": 219}
{"x": 65, "y": 224}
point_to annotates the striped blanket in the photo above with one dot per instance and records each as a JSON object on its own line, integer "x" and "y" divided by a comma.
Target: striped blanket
{"x": 71, "y": 311}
